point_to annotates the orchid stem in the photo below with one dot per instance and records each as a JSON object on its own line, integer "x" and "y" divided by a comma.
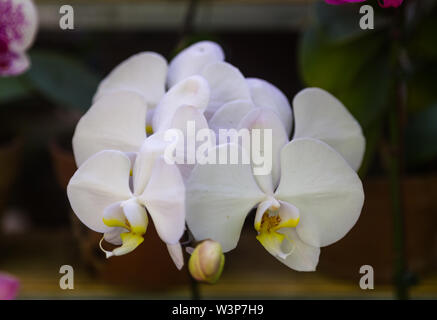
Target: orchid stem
{"x": 194, "y": 286}
{"x": 397, "y": 126}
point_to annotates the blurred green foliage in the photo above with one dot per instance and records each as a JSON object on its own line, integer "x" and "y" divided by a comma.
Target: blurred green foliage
{"x": 357, "y": 66}
{"x": 64, "y": 81}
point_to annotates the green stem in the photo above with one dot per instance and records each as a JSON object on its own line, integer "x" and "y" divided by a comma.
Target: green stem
{"x": 397, "y": 126}
{"x": 194, "y": 286}
{"x": 397, "y": 205}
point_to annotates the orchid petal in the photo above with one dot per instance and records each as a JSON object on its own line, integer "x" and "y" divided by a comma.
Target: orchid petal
{"x": 302, "y": 256}
{"x": 193, "y": 91}
{"x": 226, "y": 83}
{"x": 260, "y": 118}
{"x": 230, "y": 114}
{"x": 164, "y": 199}
{"x": 152, "y": 148}
{"x": 114, "y": 122}
{"x": 266, "y": 95}
{"x": 219, "y": 197}
{"x": 192, "y": 60}
{"x": 320, "y": 115}
{"x": 327, "y": 192}
{"x": 101, "y": 181}
{"x": 143, "y": 73}
{"x": 113, "y": 236}
{"x": 136, "y": 215}
{"x": 176, "y": 254}
{"x": 188, "y": 120}
{"x": 113, "y": 216}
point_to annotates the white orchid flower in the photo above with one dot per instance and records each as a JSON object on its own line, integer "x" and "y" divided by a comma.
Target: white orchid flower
{"x": 143, "y": 73}
{"x": 101, "y": 196}
{"x": 262, "y": 95}
{"x": 18, "y": 26}
{"x": 118, "y": 120}
{"x": 318, "y": 200}
{"x": 317, "y": 114}
{"x": 232, "y": 95}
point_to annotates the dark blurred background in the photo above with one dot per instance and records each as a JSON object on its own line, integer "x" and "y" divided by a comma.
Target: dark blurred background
{"x": 292, "y": 44}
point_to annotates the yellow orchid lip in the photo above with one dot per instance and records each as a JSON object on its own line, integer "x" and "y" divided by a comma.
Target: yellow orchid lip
{"x": 130, "y": 240}
{"x": 268, "y": 234}
{"x": 271, "y": 222}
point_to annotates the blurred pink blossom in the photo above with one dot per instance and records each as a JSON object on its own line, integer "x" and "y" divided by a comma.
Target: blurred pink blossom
{"x": 8, "y": 287}
{"x": 342, "y": 1}
{"x": 390, "y": 3}
{"x": 18, "y": 24}
{"x": 382, "y": 3}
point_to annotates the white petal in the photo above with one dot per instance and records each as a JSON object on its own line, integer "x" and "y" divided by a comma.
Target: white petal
{"x": 185, "y": 114}
{"x": 114, "y": 122}
{"x": 24, "y": 22}
{"x": 193, "y": 91}
{"x": 325, "y": 189}
{"x": 226, "y": 83}
{"x": 114, "y": 215}
{"x": 152, "y": 148}
{"x": 260, "y": 118}
{"x": 136, "y": 215}
{"x": 219, "y": 197}
{"x": 188, "y": 120}
{"x": 143, "y": 73}
{"x": 192, "y": 60}
{"x": 303, "y": 257}
{"x": 266, "y": 95}
{"x": 113, "y": 236}
{"x": 176, "y": 254}
{"x": 101, "y": 181}
{"x": 320, "y": 115}
{"x": 230, "y": 114}
{"x": 164, "y": 198}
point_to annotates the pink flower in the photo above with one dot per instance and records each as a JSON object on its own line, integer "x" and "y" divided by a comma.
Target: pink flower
{"x": 18, "y": 24}
{"x": 342, "y": 1}
{"x": 390, "y": 3}
{"x": 382, "y": 3}
{"x": 8, "y": 287}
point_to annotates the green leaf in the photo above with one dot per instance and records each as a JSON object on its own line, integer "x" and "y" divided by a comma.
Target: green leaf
{"x": 333, "y": 66}
{"x": 420, "y": 137}
{"x": 421, "y": 87}
{"x": 341, "y": 23}
{"x": 367, "y": 95}
{"x": 423, "y": 40}
{"x": 12, "y": 88}
{"x": 62, "y": 79}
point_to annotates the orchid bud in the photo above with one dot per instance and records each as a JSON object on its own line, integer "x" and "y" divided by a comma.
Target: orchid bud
{"x": 207, "y": 261}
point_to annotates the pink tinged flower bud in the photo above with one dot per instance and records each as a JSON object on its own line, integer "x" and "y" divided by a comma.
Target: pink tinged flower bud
{"x": 390, "y": 3}
{"x": 8, "y": 287}
{"x": 207, "y": 261}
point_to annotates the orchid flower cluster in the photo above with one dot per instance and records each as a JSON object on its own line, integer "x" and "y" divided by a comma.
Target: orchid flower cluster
{"x": 18, "y": 25}
{"x": 310, "y": 198}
